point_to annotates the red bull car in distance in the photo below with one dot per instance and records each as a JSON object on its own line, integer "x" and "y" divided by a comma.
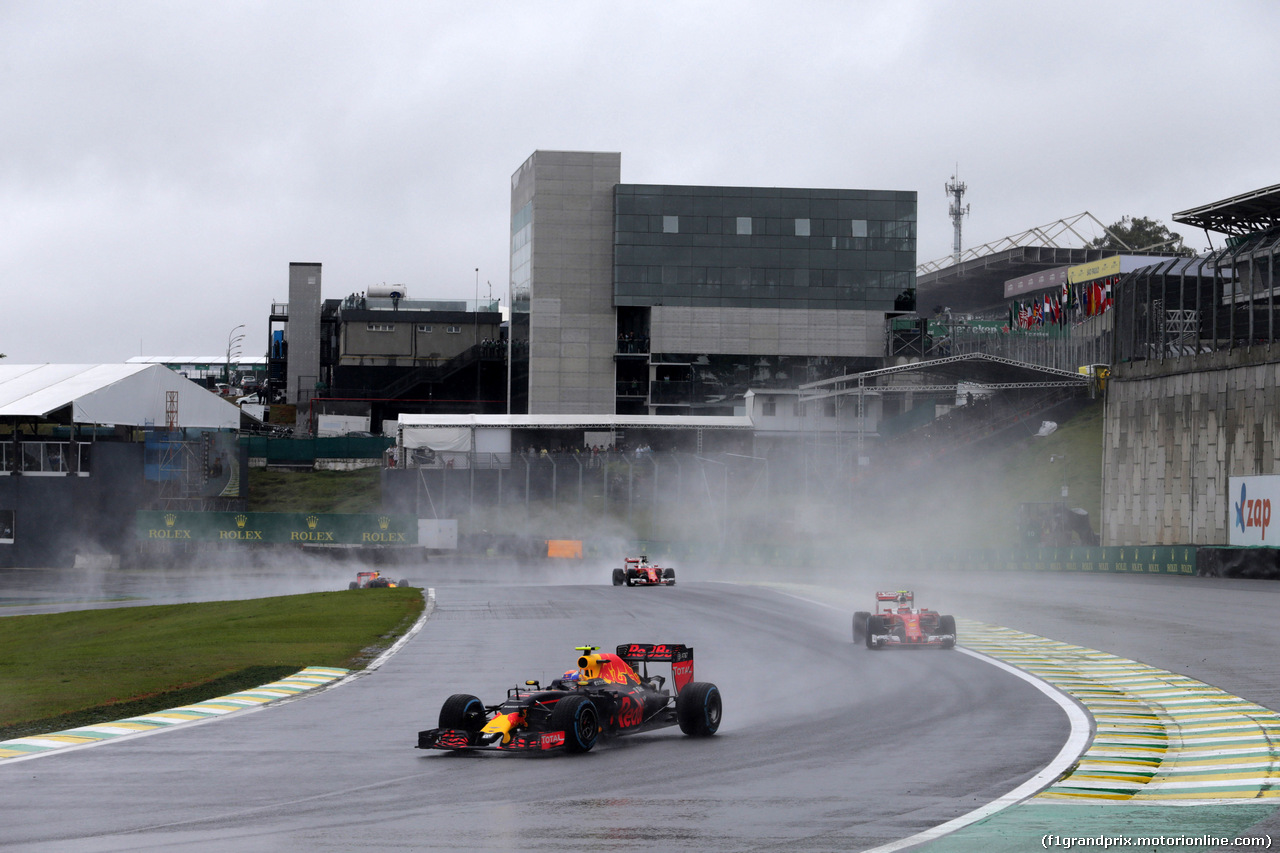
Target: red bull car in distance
{"x": 638, "y": 571}
{"x": 898, "y": 623}
{"x": 374, "y": 580}
{"x": 604, "y": 696}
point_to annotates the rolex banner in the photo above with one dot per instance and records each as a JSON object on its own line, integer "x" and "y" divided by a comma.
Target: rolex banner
{"x": 278, "y": 527}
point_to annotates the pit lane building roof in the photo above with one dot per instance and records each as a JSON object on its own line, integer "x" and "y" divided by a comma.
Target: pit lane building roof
{"x": 118, "y": 394}
{"x": 595, "y": 422}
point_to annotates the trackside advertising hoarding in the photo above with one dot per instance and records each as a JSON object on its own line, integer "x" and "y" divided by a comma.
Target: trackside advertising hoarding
{"x": 277, "y": 527}
{"x": 1250, "y": 501}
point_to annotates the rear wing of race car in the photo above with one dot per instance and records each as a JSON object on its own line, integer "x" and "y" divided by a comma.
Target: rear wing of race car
{"x": 679, "y": 656}
{"x": 893, "y": 596}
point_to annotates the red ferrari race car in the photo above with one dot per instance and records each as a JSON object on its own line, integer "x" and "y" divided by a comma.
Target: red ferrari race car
{"x": 374, "y": 580}
{"x": 604, "y": 696}
{"x": 638, "y": 571}
{"x": 898, "y": 623}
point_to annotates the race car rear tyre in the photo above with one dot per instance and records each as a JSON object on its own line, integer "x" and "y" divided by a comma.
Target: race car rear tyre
{"x": 352, "y": 585}
{"x": 875, "y": 625}
{"x": 403, "y": 583}
{"x": 578, "y": 718}
{"x": 669, "y": 574}
{"x": 698, "y": 709}
{"x": 947, "y": 625}
{"x": 860, "y": 626}
{"x": 462, "y": 711}
{"x": 619, "y": 577}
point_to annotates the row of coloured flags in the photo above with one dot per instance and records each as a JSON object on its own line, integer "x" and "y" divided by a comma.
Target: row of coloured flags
{"x": 1070, "y": 303}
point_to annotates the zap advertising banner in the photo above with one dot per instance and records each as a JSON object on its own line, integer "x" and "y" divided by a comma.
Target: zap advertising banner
{"x": 1250, "y": 504}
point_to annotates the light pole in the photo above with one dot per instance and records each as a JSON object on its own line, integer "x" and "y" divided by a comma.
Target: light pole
{"x": 475, "y": 340}
{"x": 233, "y": 342}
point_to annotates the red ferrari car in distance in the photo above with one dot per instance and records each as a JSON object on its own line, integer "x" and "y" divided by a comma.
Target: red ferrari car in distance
{"x": 374, "y": 580}
{"x": 898, "y": 623}
{"x": 638, "y": 571}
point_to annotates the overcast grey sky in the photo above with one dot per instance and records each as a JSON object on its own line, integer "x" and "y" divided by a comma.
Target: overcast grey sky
{"x": 162, "y": 163}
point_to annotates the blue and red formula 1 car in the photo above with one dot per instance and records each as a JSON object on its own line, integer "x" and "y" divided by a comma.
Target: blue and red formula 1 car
{"x": 638, "y": 571}
{"x": 604, "y": 696}
{"x": 898, "y": 623}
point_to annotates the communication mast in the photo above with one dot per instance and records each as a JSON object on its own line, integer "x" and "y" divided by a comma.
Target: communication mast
{"x": 958, "y": 211}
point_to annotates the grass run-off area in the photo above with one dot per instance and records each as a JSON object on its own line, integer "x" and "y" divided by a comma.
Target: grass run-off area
{"x": 315, "y": 491}
{"x": 62, "y": 670}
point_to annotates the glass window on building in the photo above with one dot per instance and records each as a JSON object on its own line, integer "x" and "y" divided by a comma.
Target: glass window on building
{"x": 770, "y": 408}
{"x": 859, "y": 227}
{"x": 380, "y": 327}
{"x": 744, "y": 225}
{"x": 671, "y": 225}
{"x": 802, "y": 227}
{"x": 454, "y": 330}
{"x": 6, "y": 525}
{"x": 424, "y": 328}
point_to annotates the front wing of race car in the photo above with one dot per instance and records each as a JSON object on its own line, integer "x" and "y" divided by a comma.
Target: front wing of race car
{"x": 644, "y": 579}
{"x": 455, "y": 739}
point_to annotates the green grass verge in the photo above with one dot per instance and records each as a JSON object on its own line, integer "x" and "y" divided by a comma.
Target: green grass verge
{"x": 358, "y": 491}
{"x": 63, "y": 670}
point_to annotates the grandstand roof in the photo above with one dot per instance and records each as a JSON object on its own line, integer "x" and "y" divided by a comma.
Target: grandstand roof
{"x": 944, "y": 374}
{"x": 1242, "y": 214}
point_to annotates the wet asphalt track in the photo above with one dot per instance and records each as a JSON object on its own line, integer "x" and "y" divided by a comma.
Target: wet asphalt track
{"x": 824, "y": 746}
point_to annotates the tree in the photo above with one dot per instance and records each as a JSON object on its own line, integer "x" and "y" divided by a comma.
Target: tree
{"x": 1138, "y": 233}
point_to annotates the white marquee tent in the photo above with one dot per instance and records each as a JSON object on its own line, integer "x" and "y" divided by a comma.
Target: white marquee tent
{"x": 116, "y": 394}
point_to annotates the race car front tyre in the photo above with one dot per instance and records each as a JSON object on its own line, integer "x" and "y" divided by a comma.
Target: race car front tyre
{"x": 698, "y": 709}
{"x": 578, "y": 718}
{"x": 947, "y": 625}
{"x": 403, "y": 583}
{"x": 875, "y": 625}
{"x": 619, "y": 577}
{"x": 860, "y": 626}
{"x": 462, "y": 711}
{"x": 352, "y": 585}
{"x": 669, "y": 574}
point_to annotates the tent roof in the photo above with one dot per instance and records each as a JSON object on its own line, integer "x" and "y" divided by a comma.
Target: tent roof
{"x": 124, "y": 394}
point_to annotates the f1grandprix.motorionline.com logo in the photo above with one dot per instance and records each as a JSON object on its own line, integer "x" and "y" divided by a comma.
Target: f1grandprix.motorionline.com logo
{"x": 1253, "y": 513}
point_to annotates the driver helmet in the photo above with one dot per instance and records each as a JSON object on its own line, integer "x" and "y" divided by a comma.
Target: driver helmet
{"x": 571, "y": 675}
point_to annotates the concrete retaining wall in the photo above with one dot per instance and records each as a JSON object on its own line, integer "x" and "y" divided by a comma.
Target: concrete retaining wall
{"x": 1174, "y": 432}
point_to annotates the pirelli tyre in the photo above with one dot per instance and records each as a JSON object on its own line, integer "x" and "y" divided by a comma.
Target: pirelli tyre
{"x": 875, "y": 625}
{"x": 578, "y": 718}
{"x": 947, "y": 625}
{"x": 630, "y": 577}
{"x": 353, "y": 585}
{"x": 403, "y": 583}
{"x": 698, "y": 709}
{"x": 669, "y": 574}
{"x": 619, "y": 577}
{"x": 462, "y": 711}
{"x": 860, "y": 626}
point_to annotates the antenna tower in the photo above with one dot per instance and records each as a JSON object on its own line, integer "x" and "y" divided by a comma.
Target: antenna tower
{"x": 955, "y": 189}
